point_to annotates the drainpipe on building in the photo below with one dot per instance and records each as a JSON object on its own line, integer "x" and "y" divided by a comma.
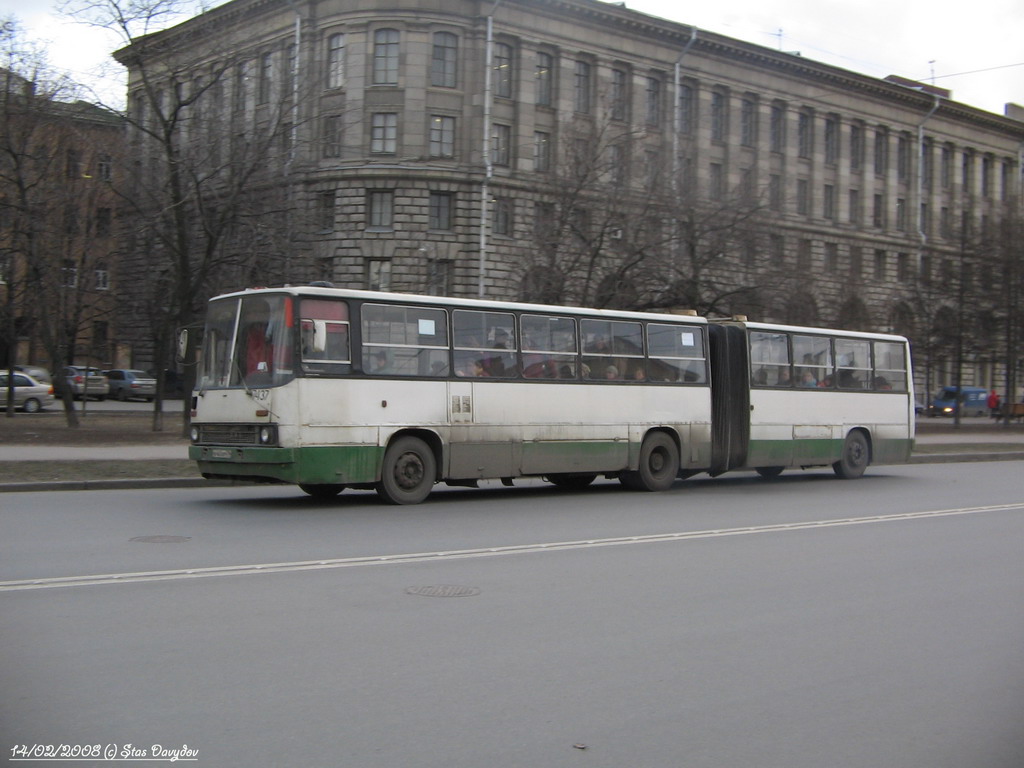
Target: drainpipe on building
{"x": 294, "y": 142}
{"x": 923, "y": 236}
{"x": 675, "y": 118}
{"x": 488, "y": 168}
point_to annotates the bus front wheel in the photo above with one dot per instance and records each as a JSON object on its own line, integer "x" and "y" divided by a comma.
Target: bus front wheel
{"x": 408, "y": 472}
{"x": 854, "y": 458}
{"x": 659, "y": 464}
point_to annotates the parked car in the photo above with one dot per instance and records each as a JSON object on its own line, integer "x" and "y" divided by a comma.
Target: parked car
{"x": 88, "y": 381}
{"x": 30, "y": 395}
{"x": 126, "y": 383}
{"x": 36, "y": 372}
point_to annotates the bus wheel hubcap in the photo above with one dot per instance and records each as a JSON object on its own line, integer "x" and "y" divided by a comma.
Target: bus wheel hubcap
{"x": 409, "y": 470}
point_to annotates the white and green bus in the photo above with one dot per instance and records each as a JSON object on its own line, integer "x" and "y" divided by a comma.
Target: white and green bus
{"x": 332, "y": 389}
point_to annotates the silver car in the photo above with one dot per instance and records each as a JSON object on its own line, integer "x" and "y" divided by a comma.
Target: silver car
{"x": 30, "y": 395}
{"x": 89, "y": 382}
{"x": 126, "y": 383}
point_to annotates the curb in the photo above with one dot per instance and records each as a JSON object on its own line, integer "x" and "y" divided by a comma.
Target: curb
{"x": 198, "y": 482}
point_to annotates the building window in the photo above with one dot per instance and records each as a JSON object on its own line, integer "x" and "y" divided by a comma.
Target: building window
{"x": 903, "y": 157}
{"x": 619, "y": 95}
{"x": 803, "y": 256}
{"x": 777, "y": 248}
{"x": 380, "y": 209}
{"x": 777, "y": 128}
{"x": 336, "y": 61}
{"x": 716, "y": 182}
{"x": 385, "y": 57}
{"x": 829, "y": 202}
{"x": 856, "y": 147}
{"x": 855, "y": 207}
{"x": 805, "y": 134}
{"x": 378, "y": 274}
{"x": 617, "y": 163}
{"x": 104, "y": 220}
{"x": 384, "y": 133}
{"x": 73, "y": 164}
{"x": 582, "y": 88}
{"x": 501, "y": 139}
{"x": 775, "y": 197}
{"x": 441, "y": 204}
{"x": 803, "y": 197}
{"x": 901, "y": 214}
{"x": 544, "y": 79}
{"x": 442, "y": 136}
{"x": 719, "y": 115}
{"x": 445, "y": 60}
{"x": 69, "y": 274}
{"x": 102, "y": 275}
{"x": 266, "y": 81}
{"x": 439, "y": 277}
{"x": 653, "y": 102}
{"x": 686, "y": 109}
{"x": 831, "y": 258}
{"x": 332, "y": 136}
{"x": 748, "y": 122}
{"x": 325, "y": 211}
{"x": 878, "y": 212}
{"x": 503, "y": 220}
{"x": 856, "y": 261}
{"x": 881, "y": 265}
{"x": 503, "y": 70}
{"x": 105, "y": 167}
{"x": 831, "y": 140}
{"x": 968, "y": 172}
{"x": 946, "y": 170}
{"x": 541, "y": 151}
{"x": 903, "y": 267}
{"x": 945, "y": 223}
{"x": 986, "y": 176}
{"x": 881, "y": 151}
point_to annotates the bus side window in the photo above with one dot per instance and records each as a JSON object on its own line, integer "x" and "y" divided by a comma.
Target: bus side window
{"x": 769, "y": 359}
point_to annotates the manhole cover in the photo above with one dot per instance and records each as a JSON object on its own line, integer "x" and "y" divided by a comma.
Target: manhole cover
{"x": 443, "y": 590}
{"x": 162, "y": 539}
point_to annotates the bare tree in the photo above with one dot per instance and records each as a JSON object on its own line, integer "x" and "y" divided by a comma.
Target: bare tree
{"x": 52, "y": 256}
{"x": 204, "y": 205}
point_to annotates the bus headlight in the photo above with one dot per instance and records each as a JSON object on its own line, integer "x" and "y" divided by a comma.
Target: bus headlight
{"x": 194, "y": 434}
{"x": 268, "y": 435}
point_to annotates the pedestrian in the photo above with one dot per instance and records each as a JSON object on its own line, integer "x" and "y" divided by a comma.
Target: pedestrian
{"x": 993, "y": 404}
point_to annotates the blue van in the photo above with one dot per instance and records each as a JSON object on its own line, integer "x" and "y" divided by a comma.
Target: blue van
{"x": 973, "y": 399}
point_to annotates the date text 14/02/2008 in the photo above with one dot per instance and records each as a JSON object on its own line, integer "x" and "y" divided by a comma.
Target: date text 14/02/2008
{"x": 59, "y": 752}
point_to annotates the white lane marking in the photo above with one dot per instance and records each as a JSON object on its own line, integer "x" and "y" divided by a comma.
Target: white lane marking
{"x": 462, "y": 554}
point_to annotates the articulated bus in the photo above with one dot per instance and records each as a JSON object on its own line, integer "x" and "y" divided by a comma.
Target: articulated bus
{"x": 332, "y": 389}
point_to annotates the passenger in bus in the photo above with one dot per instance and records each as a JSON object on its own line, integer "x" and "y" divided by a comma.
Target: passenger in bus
{"x": 761, "y": 377}
{"x": 807, "y": 379}
{"x": 784, "y": 378}
{"x": 825, "y": 382}
{"x": 639, "y": 374}
{"x": 380, "y": 363}
{"x": 611, "y": 373}
{"x": 882, "y": 384}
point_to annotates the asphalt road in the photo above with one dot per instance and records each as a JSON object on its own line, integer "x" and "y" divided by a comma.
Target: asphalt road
{"x": 731, "y": 622}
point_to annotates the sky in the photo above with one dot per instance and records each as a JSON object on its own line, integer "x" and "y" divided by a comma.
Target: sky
{"x": 974, "y": 49}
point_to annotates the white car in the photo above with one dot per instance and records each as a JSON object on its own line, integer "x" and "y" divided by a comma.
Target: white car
{"x": 30, "y": 395}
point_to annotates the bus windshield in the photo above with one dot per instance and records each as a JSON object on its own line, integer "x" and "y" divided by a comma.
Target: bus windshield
{"x": 248, "y": 343}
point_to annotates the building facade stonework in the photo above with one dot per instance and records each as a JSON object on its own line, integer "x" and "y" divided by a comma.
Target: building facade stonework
{"x": 429, "y": 139}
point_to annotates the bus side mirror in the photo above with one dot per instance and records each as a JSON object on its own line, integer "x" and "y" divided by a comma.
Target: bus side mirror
{"x": 319, "y": 335}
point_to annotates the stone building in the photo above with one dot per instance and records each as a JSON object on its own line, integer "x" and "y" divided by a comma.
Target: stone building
{"x": 431, "y": 145}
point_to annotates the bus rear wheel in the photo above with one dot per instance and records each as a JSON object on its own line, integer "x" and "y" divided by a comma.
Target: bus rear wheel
{"x": 659, "y": 464}
{"x": 408, "y": 473}
{"x": 854, "y": 458}
{"x": 322, "y": 492}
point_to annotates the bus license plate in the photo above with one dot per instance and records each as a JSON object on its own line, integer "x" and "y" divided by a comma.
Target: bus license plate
{"x": 221, "y": 453}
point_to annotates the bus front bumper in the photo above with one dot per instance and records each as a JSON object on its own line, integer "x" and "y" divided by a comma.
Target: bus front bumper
{"x": 313, "y": 465}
